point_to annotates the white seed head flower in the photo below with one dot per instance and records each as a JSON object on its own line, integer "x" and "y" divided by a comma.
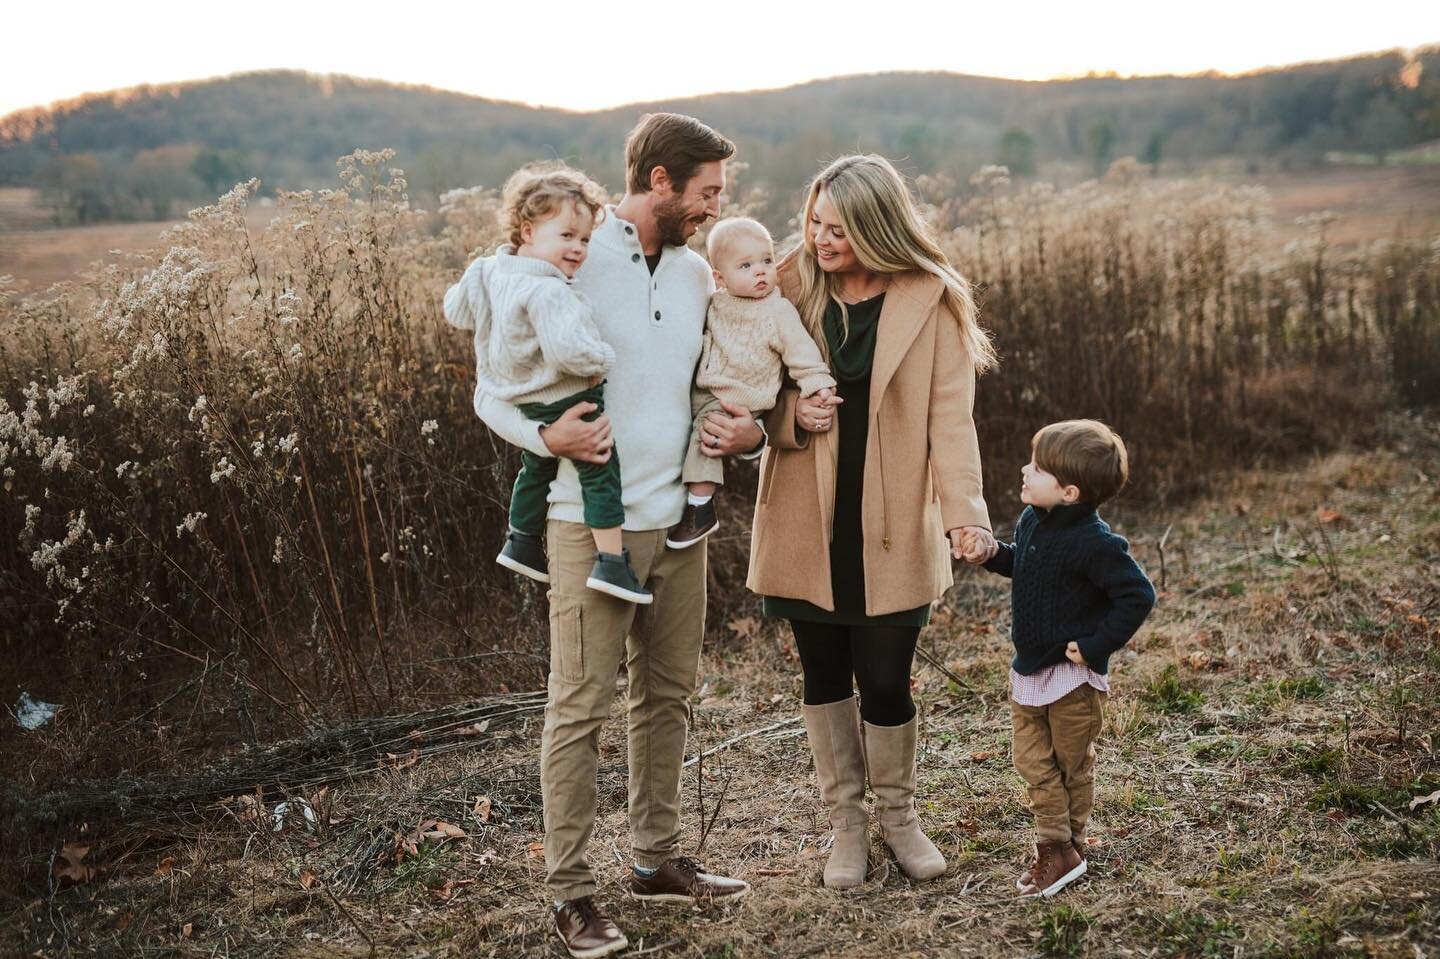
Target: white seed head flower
{"x": 189, "y": 523}
{"x": 223, "y": 470}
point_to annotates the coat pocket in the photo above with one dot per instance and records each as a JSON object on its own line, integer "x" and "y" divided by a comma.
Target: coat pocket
{"x": 767, "y": 474}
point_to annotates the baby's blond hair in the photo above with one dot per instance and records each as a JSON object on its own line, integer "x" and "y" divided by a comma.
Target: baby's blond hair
{"x": 540, "y": 190}
{"x": 728, "y": 231}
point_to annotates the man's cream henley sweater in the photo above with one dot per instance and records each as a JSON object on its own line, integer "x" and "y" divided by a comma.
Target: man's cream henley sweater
{"x": 655, "y": 324}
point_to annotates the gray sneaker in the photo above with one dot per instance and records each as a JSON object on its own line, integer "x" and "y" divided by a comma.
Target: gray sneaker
{"x": 612, "y": 575}
{"x": 525, "y": 554}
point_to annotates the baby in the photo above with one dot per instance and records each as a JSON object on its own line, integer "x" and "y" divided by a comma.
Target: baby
{"x": 752, "y": 335}
{"x": 1076, "y": 597}
{"x": 537, "y": 346}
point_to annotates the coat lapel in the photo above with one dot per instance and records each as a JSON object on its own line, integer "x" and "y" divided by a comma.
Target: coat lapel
{"x": 908, "y": 304}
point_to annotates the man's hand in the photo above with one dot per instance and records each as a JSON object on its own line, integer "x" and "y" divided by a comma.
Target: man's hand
{"x": 573, "y": 438}
{"x": 816, "y": 413}
{"x": 973, "y": 544}
{"x": 730, "y": 433}
{"x": 1072, "y": 653}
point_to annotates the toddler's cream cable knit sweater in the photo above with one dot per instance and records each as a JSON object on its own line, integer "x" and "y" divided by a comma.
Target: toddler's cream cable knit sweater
{"x": 535, "y": 338}
{"x": 748, "y": 341}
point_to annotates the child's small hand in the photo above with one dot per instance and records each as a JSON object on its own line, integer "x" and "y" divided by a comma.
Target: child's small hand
{"x": 1072, "y": 653}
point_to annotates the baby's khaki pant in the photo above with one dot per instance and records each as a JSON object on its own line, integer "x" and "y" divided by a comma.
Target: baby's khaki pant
{"x": 1054, "y": 750}
{"x": 590, "y": 635}
{"x": 698, "y": 467}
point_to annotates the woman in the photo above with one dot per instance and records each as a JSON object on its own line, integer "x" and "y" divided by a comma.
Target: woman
{"x": 858, "y": 492}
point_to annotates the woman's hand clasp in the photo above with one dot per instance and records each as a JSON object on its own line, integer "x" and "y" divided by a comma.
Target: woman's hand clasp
{"x": 816, "y": 413}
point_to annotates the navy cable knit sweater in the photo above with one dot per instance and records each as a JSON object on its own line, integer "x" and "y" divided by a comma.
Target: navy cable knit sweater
{"x": 1071, "y": 579}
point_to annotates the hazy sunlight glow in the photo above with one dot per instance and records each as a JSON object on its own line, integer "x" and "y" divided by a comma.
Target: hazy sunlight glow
{"x": 609, "y": 53}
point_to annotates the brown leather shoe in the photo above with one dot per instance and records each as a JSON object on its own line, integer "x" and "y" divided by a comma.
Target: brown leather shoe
{"x": 586, "y": 931}
{"x": 696, "y": 523}
{"x": 683, "y": 879}
{"x": 1056, "y": 865}
{"x": 1080, "y": 850}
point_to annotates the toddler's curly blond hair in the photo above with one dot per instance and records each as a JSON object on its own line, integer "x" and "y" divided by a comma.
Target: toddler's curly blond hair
{"x": 540, "y": 190}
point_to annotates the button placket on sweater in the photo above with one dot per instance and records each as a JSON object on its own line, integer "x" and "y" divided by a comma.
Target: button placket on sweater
{"x": 637, "y": 256}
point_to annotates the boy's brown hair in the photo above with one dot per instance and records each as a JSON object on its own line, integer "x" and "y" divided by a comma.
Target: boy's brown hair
{"x": 674, "y": 141}
{"x": 1083, "y": 453}
{"x": 541, "y": 190}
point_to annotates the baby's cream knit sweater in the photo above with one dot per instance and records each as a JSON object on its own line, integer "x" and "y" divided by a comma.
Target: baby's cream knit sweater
{"x": 748, "y": 342}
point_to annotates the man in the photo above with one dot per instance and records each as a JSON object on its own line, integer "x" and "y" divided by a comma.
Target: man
{"x": 649, "y": 294}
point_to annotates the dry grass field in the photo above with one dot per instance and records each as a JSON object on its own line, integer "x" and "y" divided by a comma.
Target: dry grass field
{"x": 1267, "y": 784}
{"x": 1369, "y": 203}
{"x": 37, "y": 254}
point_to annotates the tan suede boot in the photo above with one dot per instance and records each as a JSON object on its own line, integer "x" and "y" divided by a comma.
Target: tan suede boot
{"x": 890, "y": 753}
{"x": 834, "y": 731}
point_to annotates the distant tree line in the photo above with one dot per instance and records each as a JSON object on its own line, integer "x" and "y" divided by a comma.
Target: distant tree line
{"x": 145, "y": 153}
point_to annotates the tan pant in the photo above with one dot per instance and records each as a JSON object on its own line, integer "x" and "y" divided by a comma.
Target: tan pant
{"x": 590, "y": 635}
{"x": 1054, "y": 750}
{"x": 698, "y": 467}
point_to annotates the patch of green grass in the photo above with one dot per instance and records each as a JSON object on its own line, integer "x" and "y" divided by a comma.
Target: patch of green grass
{"x": 1190, "y": 934}
{"x": 1062, "y": 931}
{"x": 1215, "y": 749}
{"x": 1309, "y": 935}
{"x": 1312, "y": 759}
{"x": 1289, "y": 689}
{"x": 426, "y": 868}
{"x": 1168, "y": 694}
{"x": 1358, "y": 799}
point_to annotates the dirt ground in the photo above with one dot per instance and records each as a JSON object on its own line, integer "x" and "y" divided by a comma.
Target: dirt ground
{"x": 1268, "y": 783}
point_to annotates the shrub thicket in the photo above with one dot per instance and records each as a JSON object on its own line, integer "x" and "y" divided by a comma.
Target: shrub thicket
{"x": 258, "y": 453}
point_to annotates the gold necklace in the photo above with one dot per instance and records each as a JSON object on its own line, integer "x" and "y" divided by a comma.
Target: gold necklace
{"x": 850, "y": 300}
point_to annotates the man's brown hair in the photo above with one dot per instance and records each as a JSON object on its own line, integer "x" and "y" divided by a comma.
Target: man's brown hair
{"x": 674, "y": 141}
{"x": 1083, "y": 453}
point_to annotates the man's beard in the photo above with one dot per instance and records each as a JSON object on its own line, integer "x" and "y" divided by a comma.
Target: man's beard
{"x": 671, "y": 220}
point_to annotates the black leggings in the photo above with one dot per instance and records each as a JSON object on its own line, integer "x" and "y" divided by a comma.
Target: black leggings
{"x": 877, "y": 657}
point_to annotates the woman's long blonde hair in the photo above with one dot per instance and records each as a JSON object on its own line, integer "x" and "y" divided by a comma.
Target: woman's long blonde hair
{"x": 888, "y": 236}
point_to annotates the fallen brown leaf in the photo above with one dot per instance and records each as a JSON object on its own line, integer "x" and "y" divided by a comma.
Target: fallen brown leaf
{"x": 536, "y": 850}
{"x": 442, "y": 830}
{"x": 403, "y": 762}
{"x": 482, "y": 810}
{"x": 166, "y": 865}
{"x": 70, "y": 863}
{"x": 307, "y": 878}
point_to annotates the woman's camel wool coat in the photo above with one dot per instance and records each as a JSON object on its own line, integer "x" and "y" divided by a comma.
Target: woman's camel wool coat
{"x": 922, "y": 464}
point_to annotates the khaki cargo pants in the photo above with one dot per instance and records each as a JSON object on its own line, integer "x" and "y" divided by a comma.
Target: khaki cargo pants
{"x": 590, "y": 635}
{"x": 1054, "y": 750}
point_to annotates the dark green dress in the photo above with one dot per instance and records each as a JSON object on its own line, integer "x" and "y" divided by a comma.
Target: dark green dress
{"x": 850, "y": 363}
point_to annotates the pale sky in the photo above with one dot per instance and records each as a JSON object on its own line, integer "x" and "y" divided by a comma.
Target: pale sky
{"x": 587, "y": 55}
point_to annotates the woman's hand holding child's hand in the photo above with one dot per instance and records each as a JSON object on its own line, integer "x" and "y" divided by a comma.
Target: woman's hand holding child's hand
{"x": 973, "y": 544}
{"x": 816, "y": 413}
{"x": 1072, "y": 653}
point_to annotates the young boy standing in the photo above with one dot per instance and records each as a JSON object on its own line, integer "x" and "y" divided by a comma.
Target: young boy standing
{"x": 1077, "y": 596}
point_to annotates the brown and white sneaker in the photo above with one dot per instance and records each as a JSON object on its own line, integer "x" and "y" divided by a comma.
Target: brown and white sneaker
{"x": 1056, "y": 865}
{"x": 683, "y": 879}
{"x": 696, "y": 523}
{"x": 586, "y": 931}
{"x": 1081, "y": 849}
